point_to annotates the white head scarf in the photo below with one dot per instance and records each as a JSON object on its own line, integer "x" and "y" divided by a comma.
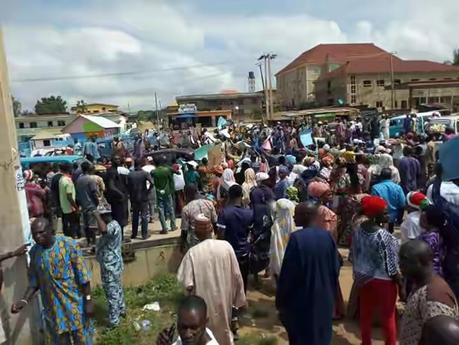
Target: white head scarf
{"x": 227, "y": 179}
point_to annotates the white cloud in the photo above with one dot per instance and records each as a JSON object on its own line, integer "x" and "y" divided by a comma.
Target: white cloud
{"x": 155, "y": 36}
{"x": 428, "y": 31}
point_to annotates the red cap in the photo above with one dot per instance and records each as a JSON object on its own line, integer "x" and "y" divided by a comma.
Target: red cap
{"x": 373, "y": 206}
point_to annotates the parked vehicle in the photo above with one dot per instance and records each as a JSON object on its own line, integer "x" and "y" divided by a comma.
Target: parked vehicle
{"x": 396, "y": 128}
{"x": 42, "y": 164}
{"x": 439, "y": 124}
{"x": 173, "y": 154}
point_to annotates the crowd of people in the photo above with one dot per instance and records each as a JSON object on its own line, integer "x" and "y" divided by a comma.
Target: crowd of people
{"x": 268, "y": 205}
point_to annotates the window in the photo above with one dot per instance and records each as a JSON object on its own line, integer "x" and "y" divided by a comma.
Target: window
{"x": 50, "y": 123}
{"x": 33, "y": 125}
{"x": 404, "y": 104}
{"x": 379, "y": 104}
{"x": 433, "y": 79}
{"x": 353, "y": 99}
{"x": 352, "y": 79}
{"x": 367, "y": 83}
{"x": 353, "y": 88}
{"x": 46, "y": 142}
{"x": 380, "y": 82}
{"x": 395, "y": 104}
{"x": 445, "y": 99}
{"x": 21, "y": 124}
{"x": 61, "y": 123}
{"x": 397, "y": 82}
{"x": 414, "y": 79}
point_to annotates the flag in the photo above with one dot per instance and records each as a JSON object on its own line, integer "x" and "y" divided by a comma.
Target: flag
{"x": 306, "y": 138}
{"x": 202, "y": 152}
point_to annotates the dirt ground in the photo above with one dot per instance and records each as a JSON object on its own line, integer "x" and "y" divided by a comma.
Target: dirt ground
{"x": 262, "y": 318}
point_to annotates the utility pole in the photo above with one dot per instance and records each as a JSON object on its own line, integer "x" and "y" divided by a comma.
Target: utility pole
{"x": 261, "y": 75}
{"x": 160, "y": 108}
{"x": 268, "y": 114}
{"x": 262, "y": 83}
{"x": 392, "y": 93}
{"x": 14, "y": 223}
{"x": 271, "y": 103}
{"x": 157, "y": 114}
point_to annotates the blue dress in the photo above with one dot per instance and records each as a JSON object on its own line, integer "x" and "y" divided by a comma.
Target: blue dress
{"x": 59, "y": 272}
{"x": 307, "y": 287}
{"x": 109, "y": 256}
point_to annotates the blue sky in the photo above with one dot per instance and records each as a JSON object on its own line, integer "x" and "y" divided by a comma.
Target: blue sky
{"x": 181, "y": 46}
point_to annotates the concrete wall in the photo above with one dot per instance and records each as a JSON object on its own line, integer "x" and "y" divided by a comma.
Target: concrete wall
{"x": 298, "y": 85}
{"x": 20, "y": 329}
{"x": 149, "y": 262}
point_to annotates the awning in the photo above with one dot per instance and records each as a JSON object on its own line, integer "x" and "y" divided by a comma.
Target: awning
{"x": 186, "y": 116}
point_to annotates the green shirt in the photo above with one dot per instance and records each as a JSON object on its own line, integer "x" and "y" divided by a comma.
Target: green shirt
{"x": 66, "y": 187}
{"x": 164, "y": 183}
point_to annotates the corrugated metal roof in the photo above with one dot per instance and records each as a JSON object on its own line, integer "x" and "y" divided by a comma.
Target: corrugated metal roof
{"x": 48, "y": 134}
{"x": 101, "y": 121}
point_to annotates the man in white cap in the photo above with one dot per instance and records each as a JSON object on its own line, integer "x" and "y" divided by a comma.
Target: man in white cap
{"x": 210, "y": 270}
{"x": 410, "y": 229}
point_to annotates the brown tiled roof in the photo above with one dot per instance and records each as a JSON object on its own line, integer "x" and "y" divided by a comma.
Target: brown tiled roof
{"x": 382, "y": 65}
{"x": 339, "y": 53}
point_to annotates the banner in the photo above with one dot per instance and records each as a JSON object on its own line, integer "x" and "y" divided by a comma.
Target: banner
{"x": 215, "y": 155}
{"x": 306, "y": 138}
{"x": 202, "y": 152}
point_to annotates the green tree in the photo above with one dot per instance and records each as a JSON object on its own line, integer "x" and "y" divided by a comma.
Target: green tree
{"x": 51, "y": 105}
{"x": 81, "y": 107}
{"x": 456, "y": 57}
{"x": 17, "y": 107}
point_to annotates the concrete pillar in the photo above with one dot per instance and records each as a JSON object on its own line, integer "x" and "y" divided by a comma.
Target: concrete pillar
{"x": 14, "y": 225}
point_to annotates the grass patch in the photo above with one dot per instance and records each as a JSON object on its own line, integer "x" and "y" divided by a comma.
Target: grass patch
{"x": 164, "y": 289}
{"x": 257, "y": 339}
{"x": 258, "y": 313}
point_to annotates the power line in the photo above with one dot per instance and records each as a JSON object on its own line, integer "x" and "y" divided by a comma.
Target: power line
{"x": 116, "y": 74}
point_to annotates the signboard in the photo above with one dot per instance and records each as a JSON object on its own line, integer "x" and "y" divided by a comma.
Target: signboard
{"x": 215, "y": 155}
{"x": 187, "y": 109}
{"x": 306, "y": 138}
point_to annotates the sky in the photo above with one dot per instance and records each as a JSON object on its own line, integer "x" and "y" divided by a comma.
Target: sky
{"x": 122, "y": 52}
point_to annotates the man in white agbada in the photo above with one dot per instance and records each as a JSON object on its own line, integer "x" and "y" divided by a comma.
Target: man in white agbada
{"x": 283, "y": 226}
{"x": 210, "y": 270}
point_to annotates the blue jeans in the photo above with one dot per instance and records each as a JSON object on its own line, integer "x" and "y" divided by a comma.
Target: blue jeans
{"x": 166, "y": 208}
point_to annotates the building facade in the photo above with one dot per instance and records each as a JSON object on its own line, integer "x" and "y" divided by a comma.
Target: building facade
{"x": 241, "y": 104}
{"x": 361, "y": 74}
{"x": 296, "y": 82}
{"x": 30, "y": 125}
{"x": 94, "y": 108}
{"x": 379, "y": 83}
